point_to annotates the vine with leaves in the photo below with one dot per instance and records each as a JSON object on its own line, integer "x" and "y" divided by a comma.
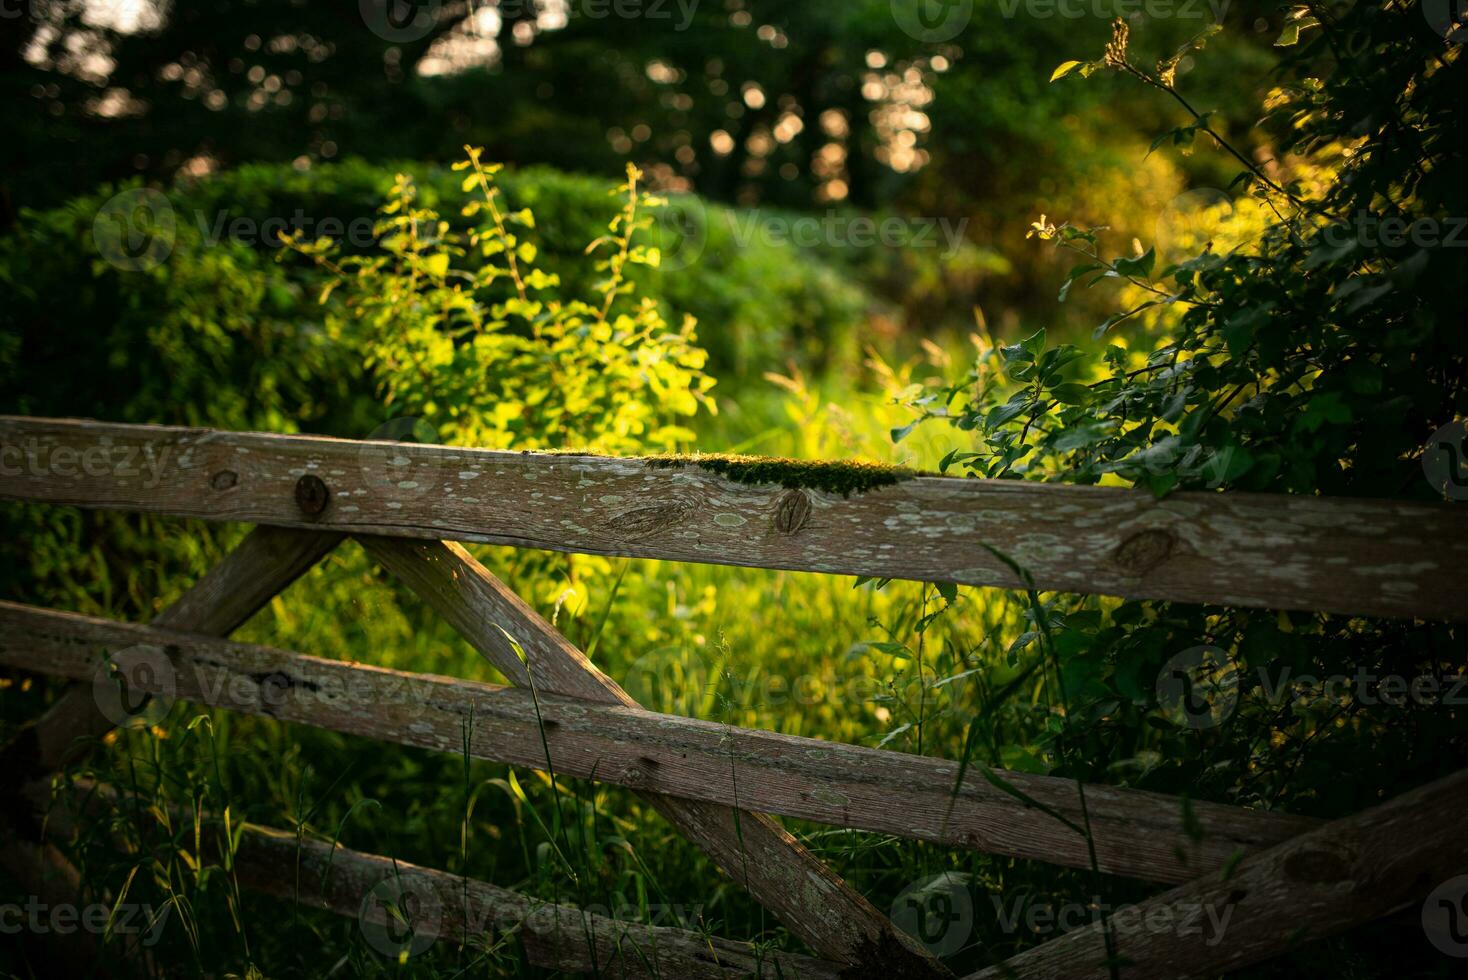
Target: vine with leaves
{"x": 1311, "y": 358}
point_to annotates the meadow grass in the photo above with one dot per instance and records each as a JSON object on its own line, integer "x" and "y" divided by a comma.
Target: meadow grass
{"x": 897, "y": 666}
{"x": 798, "y": 653}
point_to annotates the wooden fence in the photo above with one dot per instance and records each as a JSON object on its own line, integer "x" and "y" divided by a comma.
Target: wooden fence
{"x": 1284, "y": 879}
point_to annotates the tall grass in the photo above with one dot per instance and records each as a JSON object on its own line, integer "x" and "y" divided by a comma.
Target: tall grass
{"x": 904, "y": 667}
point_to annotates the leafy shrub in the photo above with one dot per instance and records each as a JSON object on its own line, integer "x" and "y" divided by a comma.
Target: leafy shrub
{"x": 1303, "y": 356}
{"x": 530, "y": 370}
{"x": 220, "y": 334}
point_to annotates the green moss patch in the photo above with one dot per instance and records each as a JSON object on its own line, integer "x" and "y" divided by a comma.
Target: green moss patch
{"x": 844, "y": 478}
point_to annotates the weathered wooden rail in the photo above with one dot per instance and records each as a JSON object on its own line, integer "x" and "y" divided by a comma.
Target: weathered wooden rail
{"x": 1138, "y": 834}
{"x": 405, "y": 504}
{"x": 1376, "y": 558}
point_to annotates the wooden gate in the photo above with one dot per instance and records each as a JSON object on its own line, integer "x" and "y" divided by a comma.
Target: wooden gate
{"x": 1285, "y": 879}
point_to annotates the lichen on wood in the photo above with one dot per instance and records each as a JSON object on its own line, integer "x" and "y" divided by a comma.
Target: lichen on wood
{"x": 845, "y": 477}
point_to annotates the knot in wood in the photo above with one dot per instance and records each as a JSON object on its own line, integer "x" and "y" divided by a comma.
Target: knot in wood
{"x": 1144, "y": 551}
{"x": 312, "y": 496}
{"x": 633, "y": 776}
{"x": 224, "y": 479}
{"x": 792, "y": 511}
{"x": 645, "y": 522}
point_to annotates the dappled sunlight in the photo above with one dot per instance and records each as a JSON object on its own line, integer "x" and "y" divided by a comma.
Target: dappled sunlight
{"x": 912, "y": 487}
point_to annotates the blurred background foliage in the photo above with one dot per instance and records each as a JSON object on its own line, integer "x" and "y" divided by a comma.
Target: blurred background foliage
{"x": 749, "y": 116}
{"x": 751, "y": 103}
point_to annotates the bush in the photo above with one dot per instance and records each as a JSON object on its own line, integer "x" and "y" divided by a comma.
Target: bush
{"x": 467, "y": 332}
{"x": 218, "y": 333}
{"x": 217, "y": 292}
{"x": 1296, "y": 352}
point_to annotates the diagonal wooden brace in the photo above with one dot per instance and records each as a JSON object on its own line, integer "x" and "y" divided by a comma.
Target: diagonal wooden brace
{"x": 266, "y": 562}
{"x": 1319, "y": 884}
{"x": 812, "y": 901}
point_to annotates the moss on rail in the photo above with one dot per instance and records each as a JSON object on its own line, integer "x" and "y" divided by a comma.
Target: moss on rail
{"x": 844, "y": 477}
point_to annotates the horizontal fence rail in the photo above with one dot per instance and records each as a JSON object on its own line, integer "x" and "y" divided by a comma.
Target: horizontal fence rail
{"x": 1273, "y": 880}
{"x": 555, "y": 937}
{"x": 443, "y": 907}
{"x": 266, "y": 562}
{"x": 1137, "y": 834}
{"x": 1341, "y": 876}
{"x": 1376, "y": 558}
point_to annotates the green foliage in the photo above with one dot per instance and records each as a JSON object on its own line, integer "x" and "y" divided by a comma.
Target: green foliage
{"x": 282, "y": 82}
{"x": 1292, "y": 358}
{"x": 1313, "y": 357}
{"x": 219, "y": 314}
{"x": 526, "y": 369}
{"x": 328, "y": 84}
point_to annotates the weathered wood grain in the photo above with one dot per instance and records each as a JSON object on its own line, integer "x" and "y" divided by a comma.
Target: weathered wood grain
{"x": 487, "y": 613}
{"x": 267, "y": 561}
{"x": 811, "y": 899}
{"x": 1138, "y": 834}
{"x": 451, "y": 908}
{"x": 1342, "y": 875}
{"x": 1280, "y": 552}
{"x": 555, "y": 937}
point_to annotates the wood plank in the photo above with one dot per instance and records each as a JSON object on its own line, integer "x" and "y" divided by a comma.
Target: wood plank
{"x": 1338, "y": 877}
{"x": 266, "y": 562}
{"x": 800, "y": 889}
{"x": 1378, "y": 558}
{"x": 483, "y": 610}
{"x": 458, "y": 910}
{"x": 454, "y": 909}
{"x": 263, "y": 565}
{"x": 40, "y": 870}
{"x": 556, "y": 937}
{"x": 1138, "y": 834}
